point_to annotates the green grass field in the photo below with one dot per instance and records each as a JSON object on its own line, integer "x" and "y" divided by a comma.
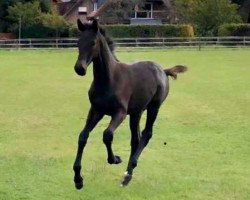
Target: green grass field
{"x": 205, "y": 123}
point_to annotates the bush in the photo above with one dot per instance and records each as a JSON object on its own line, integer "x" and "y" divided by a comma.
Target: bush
{"x": 234, "y": 30}
{"x": 145, "y": 31}
{"x": 41, "y": 31}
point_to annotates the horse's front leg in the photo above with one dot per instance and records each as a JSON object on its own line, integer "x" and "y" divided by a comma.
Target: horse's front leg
{"x": 108, "y": 136}
{"x": 93, "y": 118}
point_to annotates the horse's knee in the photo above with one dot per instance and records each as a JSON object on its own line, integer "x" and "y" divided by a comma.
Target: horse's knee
{"x": 107, "y": 137}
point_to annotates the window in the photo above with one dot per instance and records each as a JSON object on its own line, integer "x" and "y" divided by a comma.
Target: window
{"x": 145, "y": 12}
{"x": 82, "y": 10}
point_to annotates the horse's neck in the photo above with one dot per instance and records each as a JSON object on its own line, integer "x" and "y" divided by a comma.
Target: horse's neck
{"x": 103, "y": 65}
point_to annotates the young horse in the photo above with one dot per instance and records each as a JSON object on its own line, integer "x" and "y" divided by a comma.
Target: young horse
{"x": 118, "y": 90}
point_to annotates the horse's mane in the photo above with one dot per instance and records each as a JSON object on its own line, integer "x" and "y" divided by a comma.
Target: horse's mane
{"x": 110, "y": 42}
{"x": 108, "y": 39}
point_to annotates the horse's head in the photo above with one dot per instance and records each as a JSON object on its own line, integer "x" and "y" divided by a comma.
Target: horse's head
{"x": 87, "y": 45}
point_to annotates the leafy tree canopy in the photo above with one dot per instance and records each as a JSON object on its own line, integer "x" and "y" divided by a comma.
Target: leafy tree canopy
{"x": 6, "y": 19}
{"x": 240, "y": 2}
{"x": 28, "y": 12}
{"x": 35, "y": 16}
{"x": 208, "y": 15}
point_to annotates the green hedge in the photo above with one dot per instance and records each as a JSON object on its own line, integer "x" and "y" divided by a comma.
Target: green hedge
{"x": 147, "y": 31}
{"x": 41, "y": 31}
{"x": 234, "y": 30}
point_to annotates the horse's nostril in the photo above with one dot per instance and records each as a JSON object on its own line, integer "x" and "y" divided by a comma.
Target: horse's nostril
{"x": 80, "y": 70}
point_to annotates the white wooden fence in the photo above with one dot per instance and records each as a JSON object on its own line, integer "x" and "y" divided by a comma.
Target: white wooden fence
{"x": 197, "y": 42}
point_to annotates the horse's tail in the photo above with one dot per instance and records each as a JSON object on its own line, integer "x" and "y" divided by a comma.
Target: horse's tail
{"x": 175, "y": 70}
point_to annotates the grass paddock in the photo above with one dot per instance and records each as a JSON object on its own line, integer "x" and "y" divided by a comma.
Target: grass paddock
{"x": 205, "y": 122}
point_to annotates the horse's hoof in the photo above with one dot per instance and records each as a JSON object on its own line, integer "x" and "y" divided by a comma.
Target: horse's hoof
{"x": 79, "y": 183}
{"x": 126, "y": 179}
{"x": 116, "y": 160}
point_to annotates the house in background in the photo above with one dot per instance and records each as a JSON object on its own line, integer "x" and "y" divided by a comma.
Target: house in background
{"x": 153, "y": 12}
{"x": 74, "y": 9}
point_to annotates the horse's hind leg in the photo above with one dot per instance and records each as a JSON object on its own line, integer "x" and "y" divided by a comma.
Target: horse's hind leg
{"x": 152, "y": 112}
{"x": 134, "y": 124}
{"x": 93, "y": 119}
{"x": 108, "y": 136}
{"x": 135, "y": 138}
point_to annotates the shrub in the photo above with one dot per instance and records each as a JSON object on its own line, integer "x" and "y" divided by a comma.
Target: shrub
{"x": 234, "y": 30}
{"x": 145, "y": 31}
{"x": 41, "y": 31}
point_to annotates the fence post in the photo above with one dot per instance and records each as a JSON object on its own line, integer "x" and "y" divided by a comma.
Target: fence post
{"x": 19, "y": 44}
{"x": 218, "y": 41}
{"x": 244, "y": 41}
{"x": 199, "y": 42}
{"x": 56, "y": 43}
{"x": 30, "y": 43}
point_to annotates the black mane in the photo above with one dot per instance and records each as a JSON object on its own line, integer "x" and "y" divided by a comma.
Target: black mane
{"x": 108, "y": 39}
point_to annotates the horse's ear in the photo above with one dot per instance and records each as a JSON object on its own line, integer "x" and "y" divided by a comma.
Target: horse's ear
{"x": 80, "y": 25}
{"x": 95, "y": 25}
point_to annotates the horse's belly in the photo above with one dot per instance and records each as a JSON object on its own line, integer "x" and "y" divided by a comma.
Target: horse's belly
{"x": 140, "y": 99}
{"x": 134, "y": 107}
{"x": 105, "y": 105}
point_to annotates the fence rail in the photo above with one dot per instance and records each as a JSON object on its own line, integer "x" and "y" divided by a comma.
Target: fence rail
{"x": 133, "y": 42}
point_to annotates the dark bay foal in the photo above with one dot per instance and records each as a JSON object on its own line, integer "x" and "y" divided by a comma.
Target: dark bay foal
{"x": 118, "y": 90}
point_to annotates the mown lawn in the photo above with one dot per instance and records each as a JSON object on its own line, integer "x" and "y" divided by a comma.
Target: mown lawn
{"x": 205, "y": 123}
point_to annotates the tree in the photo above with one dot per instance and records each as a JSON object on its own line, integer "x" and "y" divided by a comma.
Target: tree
{"x": 6, "y": 21}
{"x": 244, "y": 10}
{"x": 53, "y": 20}
{"x": 240, "y": 2}
{"x": 171, "y": 11}
{"x": 4, "y": 4}
{"x": 28, "y": 12}
{"x": 45, "y": 6}
{"x": 207, "y": 15}
{"x": 36, "y": 23}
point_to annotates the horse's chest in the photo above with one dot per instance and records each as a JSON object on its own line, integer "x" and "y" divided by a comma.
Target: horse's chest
{"x": 104, "y": 102}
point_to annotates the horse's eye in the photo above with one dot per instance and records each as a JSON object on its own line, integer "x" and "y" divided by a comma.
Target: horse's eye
{"x": 92, "y": 43}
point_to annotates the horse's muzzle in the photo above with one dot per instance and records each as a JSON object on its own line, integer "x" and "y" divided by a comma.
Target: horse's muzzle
{"x": 80, "y": 68}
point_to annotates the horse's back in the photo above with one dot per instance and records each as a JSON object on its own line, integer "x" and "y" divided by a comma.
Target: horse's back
{"x": 150, "y": 85}
{"x": 149, "y": 74}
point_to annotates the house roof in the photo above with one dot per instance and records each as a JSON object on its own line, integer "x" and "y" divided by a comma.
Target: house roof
{"x": 75, "y": 6}
{"x": 100, "y": 2}
{"x": 66, "y": 7}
